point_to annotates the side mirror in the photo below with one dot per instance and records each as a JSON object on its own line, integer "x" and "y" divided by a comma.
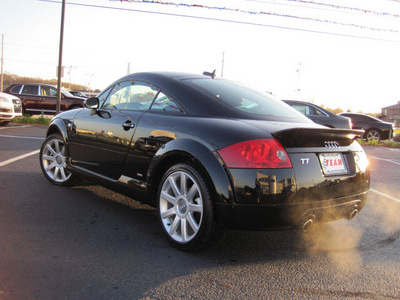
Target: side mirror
{"x": 92, "y": 103}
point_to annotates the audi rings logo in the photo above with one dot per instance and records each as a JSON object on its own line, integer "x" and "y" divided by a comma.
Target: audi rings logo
{"x": 331, "y": 144}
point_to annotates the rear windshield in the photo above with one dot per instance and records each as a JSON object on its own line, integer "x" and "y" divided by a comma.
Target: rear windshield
{"x": 244, "y": 99}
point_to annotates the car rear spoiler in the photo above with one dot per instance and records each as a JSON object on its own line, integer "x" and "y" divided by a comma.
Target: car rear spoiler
{"x": 316, "y": 137}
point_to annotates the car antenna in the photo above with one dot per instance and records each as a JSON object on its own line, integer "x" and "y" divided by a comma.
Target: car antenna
{"x": 212, "y": 75}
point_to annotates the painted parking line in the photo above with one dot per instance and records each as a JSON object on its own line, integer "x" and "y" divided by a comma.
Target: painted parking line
{"x": 9, "y": 161}
{"x": 22, "y": 137}
{"x": 385, "y": 195}
{"x": 384, "y": 159}
{"x": 13, "y": 127}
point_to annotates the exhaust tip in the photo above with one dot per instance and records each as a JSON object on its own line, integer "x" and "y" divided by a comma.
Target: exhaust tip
{"x": 308, "y": 223}
{"x": 353, "y": 214}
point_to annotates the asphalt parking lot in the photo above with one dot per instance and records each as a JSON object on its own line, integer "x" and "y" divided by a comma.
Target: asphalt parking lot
{"x": 87, "y": 242}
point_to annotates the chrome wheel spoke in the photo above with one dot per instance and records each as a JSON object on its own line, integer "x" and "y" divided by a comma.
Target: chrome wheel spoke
{"x": 168, "y": 213}
{"x": 55, "y": 174}
{"x": 50, "y": 166}
{"x": 192, "y": 192}
{"x": 174, "y": 187}
{"x": 50, "y": 149}
{"x": 193, "y": 224}
{"x": 184, "y": 233}
{"x": 183, "y": 184}
{"x": 165, "y": 196}
{"x": 174, "y": 226}
{"x": 195, "y": 208}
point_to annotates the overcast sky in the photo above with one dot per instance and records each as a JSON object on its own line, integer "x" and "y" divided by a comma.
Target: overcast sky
{"x": 342, "y": 54}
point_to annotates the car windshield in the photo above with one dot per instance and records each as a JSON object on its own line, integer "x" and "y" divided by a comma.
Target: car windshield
{"x": 66, "y": 93}
{"x": 245, "y": 99}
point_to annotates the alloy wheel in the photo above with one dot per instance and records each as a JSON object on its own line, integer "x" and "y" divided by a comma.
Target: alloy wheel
{"x": 54, "y": 161}
{"x": 373, "y": 135}
{"x": 181, "y": 206}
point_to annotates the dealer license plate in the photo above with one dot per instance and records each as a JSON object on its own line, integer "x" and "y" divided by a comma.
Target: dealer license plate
{"x": 332, "y": 163}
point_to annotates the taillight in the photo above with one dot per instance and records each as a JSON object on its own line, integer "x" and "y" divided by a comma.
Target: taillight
{"x": 256, "y": 154}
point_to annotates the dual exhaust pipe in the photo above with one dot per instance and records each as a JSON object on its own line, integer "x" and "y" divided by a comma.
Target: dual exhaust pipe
{"x": 310, "y": 220}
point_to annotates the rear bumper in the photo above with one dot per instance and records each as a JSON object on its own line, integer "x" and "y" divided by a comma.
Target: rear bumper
{"x": 285, "y": 216}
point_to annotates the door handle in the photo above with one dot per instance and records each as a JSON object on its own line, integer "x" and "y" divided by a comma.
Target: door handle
{"x": 128, "y": 125}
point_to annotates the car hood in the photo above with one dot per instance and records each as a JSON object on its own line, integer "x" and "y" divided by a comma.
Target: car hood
{"x": 8, "y": 96}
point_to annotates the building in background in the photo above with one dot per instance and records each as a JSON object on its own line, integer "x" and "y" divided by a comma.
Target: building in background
{"x": 392, "y": 114}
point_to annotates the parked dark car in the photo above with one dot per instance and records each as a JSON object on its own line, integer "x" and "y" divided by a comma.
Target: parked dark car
{"x": 209, "y": 154}
{"x": 38, "y": 98}
{"x": 320, "y": 115}
{"x": 78, "y": 94}
{"x": 374, "y": 128}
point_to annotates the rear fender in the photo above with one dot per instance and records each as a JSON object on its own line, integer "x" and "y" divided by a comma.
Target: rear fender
{"x": 201, "y": 156}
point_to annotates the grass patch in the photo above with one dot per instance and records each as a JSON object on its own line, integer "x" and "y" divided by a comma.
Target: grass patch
{"x": 391, "y": 144}
{"x": 29, "y": 120}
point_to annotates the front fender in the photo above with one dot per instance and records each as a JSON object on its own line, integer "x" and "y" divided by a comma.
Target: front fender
{"x": 58, "y": 125}
{"x": 201, "y": 156}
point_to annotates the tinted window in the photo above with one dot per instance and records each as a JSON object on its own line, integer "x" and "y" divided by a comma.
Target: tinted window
{"x": 48, "y": 91}
{"x": 30, "y": 90}
{"x": 16, "y": 89}
{"x": 355, "y": 118}
{"x": 165, "y": 103}
{"x": 130, "y": 95}
{"x": 104, "y": 95}
{"x": 244, "y": 99}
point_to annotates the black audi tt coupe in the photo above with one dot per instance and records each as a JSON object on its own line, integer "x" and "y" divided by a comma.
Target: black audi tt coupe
{"x": 209, "y": 154}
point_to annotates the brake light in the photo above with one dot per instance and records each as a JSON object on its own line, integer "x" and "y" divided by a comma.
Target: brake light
{"x": 256, "y": 154}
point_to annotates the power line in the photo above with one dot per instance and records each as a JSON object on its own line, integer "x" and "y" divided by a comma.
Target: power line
{"x": 235, "y": 10}
{"x": 227, "y": 21}
{"x": 334, "y": 6}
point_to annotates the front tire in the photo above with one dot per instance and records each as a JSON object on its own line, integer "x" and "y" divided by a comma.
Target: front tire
{"x": 53, "y": 158}
{"x": 186, "y": 210}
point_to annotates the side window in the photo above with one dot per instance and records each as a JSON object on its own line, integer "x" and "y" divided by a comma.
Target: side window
{"x": 30, "y": 90}
{"x": 318, "y": 112}
{"x": 165, "y": 103}
{"x": 45, "y": 91}
{"x": 130, "y": 95}
{"x": 53, "y": 91}
{"x": 103, "y": 96}
{"x": 16, "y": 89}
{"x": 302, "y": 108}
{"x": 48, "y": 91}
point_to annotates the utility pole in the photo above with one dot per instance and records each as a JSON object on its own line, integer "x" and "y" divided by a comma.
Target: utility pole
{"x": 2, "y": 49}
{"x": 69, "y": 73}
{"x": 223, "y": 61}
{"x": 60, "y": 59}
{"x": 298, "y": 71}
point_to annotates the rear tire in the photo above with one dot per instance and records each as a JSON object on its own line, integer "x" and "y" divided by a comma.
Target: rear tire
{"x": 186, "y": 210}
{"x": 373, "y": 135}
{"x": 53, "y": 160}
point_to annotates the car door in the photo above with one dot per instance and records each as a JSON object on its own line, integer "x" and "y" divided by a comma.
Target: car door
{"x": 30, "y": 97}
{"x": 156, "y": 127}
{"x": 48, "y": 96}
{"x": 358, "y": 122}
{"x": 101, "y": 138}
